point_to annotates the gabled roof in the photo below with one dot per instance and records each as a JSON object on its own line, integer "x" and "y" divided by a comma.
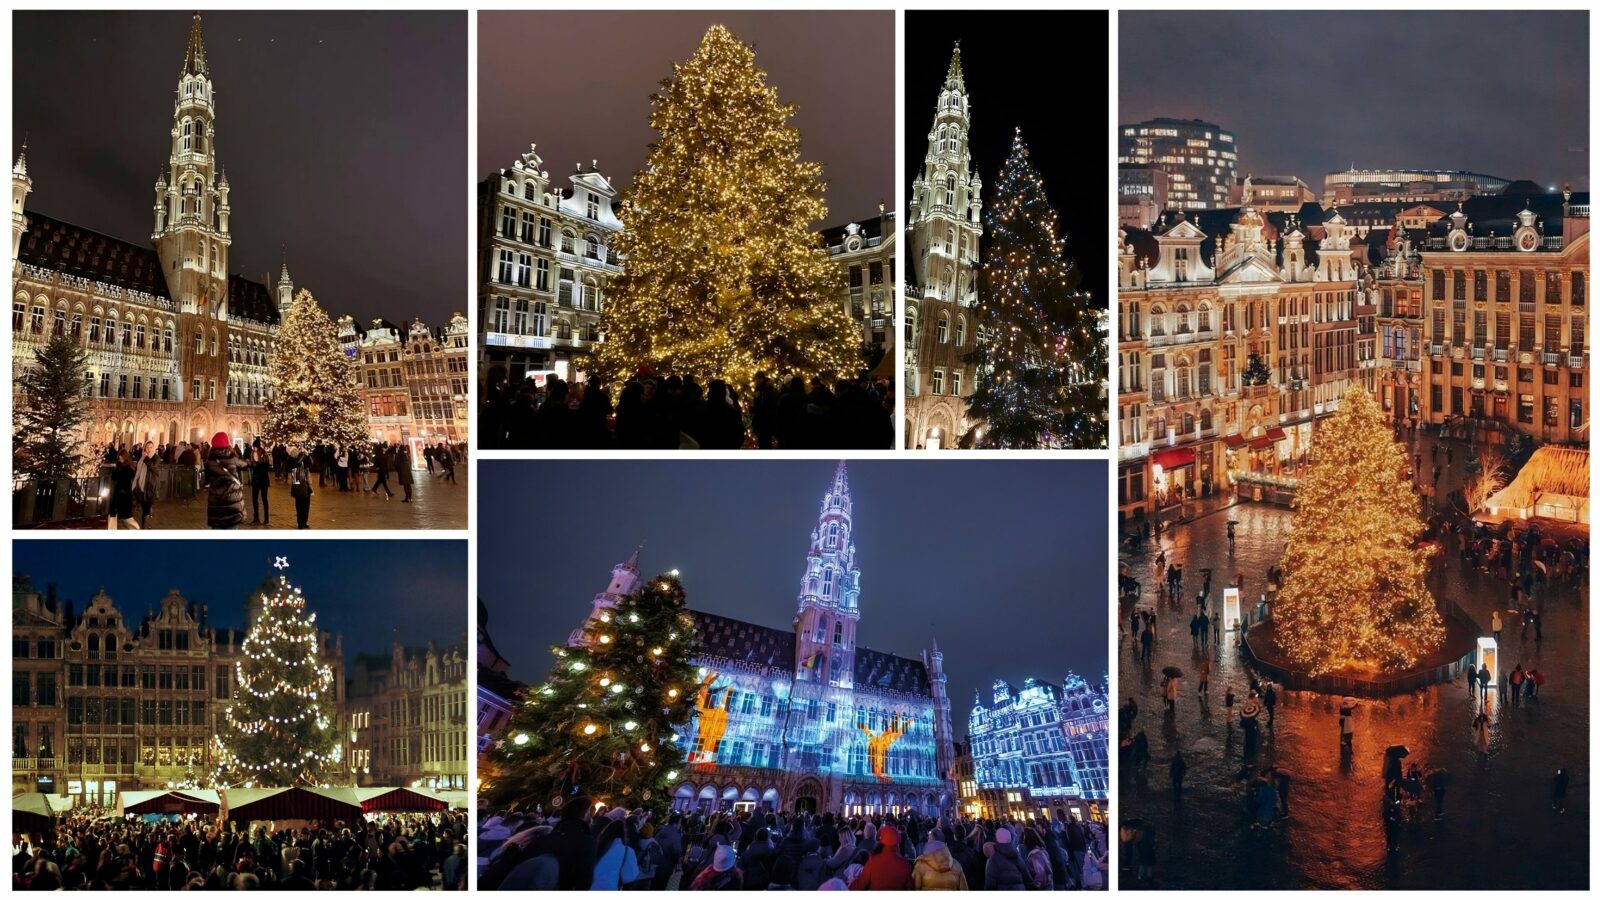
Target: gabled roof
{"x": 251, "y": 300}
{"x": 74, "y": 250}
{"x": 720, "y": 637}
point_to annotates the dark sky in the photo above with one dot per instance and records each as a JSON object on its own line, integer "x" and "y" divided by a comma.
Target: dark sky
{"x": 362, "y": 589}
{"x": 1003, "y": 561}
{"x": 344, "y": 136}
{"x": 578, "y": 84}
{"x": 1307, "y": 93}
{"x": 1043, "y": 72}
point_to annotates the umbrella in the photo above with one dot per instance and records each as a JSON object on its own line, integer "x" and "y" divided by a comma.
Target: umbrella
{"x": 1250, "y": 710}
{"x": 1172, "y": 672}
{"x": 1399, "y": 750}
{"x": 1347, "y": 705}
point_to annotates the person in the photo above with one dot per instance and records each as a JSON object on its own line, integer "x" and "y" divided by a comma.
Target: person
{"x": 1227, "y": 701}
{"x": 382, "y": 465}
{"x": 1146, "y": 853}
{"x": 1480, "y": 731}
{"x": 1169, "y": 690}
{"x": 402, "y": 470}
{"x": 144, "y": 482}
{"x": 300, "y": 486}
{"x": 936, "y": 869}
{"x": 1176, "y": 772}
{"x": 453, "y": 874}
{"x": 1484, "y": 681}
{"x": 1438, "y": 781}
{"x": 1494, "y": 625}
{"x": 1039, "y": 871}
{"x": 447, "y": 460}
{"x": 1269, "y": 698}
{"x": 1266, "y": 800}
{"x": 260, "y": 478}
{"x": 1146, "y": 638}
{"x": 886, "y": 868}
{"x": 1005, "y": 869}
{"x": 1516, "y": 678}
{"x": 122, "y": 476}
{"x": 1558, "y": 796}
{"x": 1205, "y": 677}
{"x": 616, "y": 863}
{"x": 224, "y": 491}
{"x": 1280, "y": 783}
{"x": 722, "y": 874}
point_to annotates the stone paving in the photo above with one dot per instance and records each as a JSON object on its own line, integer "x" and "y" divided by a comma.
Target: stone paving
{"x": 435, "y": 505}
{"x": 1499, "y": 830}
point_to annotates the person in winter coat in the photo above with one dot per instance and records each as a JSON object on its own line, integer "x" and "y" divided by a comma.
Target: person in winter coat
{"x": 810, "y": 871}
{"x": 616, "y": 863}
{"x": 937, "y": 870}
{"x": 144, "y": 482}
{"x": 573, "y": 846}
{"x": 757, "y": 861}
{"x": 971, "y": 861}
{"x": 670, "y": 838}
{"x": 1039, "y": 874}
{"x": 224, "y": 490}
{"x": 300, "y": 485}
{"x": 122, "y": 490}
{"x": 795, "y": 847}
{"x": 847, "y": 850}
{"x": 885, "y": 869}
{"x": 1005, "y": 870}
{"x": 402, "y": 470}
{"x": 721, "y": 875}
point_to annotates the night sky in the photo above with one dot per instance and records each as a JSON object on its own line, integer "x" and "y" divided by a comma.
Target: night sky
{"x": 1043, "y": 72}
{"x": 578, "y": 84}
{"x": 1500, "y": 93}
{"x": 364, "y": 590}
{"x": 1003, "y": 561}
{"x": 343, "y": 135}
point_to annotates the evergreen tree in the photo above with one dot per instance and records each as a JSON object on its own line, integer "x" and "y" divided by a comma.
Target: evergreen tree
{"x": 1355, "y": 597}
{"x": 605, "y": 722}
{"x": 315, "y": 396}
{"x": 44, "y": 438}
{"x": 281, "y": 729}
{"x": 722, "y": 275}
{"x": 1041, "y": 354}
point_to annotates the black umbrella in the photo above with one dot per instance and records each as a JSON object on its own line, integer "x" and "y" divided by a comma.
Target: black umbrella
{"x": 1172, "y": 672}
{"x": 1399, "y": 750}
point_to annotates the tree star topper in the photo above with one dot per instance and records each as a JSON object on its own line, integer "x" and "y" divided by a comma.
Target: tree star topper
{"x": 281, "y": 563}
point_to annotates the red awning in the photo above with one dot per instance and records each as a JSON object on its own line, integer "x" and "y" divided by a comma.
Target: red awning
{"x": 1276, "y": 434}
{"x": 403, "y": 800}
{"x": 1260, "y": 443}
{"x": 1173, "y": 457}
{"x": 173, "y": 802}
{"x": 1234, "y": 441}
{"x": 293, "y": 803}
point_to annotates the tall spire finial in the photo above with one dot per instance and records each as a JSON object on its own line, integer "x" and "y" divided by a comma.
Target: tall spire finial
{"x": 633, "y": 561}
{"x": 841, "y": 483}
{"x": 21, "y": 168}
{"x": 952, "y": 78}
{"x": 194, "y": 58}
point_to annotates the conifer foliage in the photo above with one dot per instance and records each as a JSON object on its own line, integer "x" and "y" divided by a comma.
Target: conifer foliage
{"x": 315, "y": 397}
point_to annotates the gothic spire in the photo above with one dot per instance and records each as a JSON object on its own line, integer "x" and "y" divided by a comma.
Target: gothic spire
{"x": 841, "y": 484}
{"x": 194, "y": 59}
{"x": 21, "y": 168}
{"x": 952, "y": 78}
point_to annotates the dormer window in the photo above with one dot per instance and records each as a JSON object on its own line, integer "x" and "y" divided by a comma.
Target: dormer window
{"x": 593, "y": 206}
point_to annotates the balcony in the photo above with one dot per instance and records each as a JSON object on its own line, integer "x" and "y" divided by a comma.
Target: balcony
{"x": 1551, "y": 359}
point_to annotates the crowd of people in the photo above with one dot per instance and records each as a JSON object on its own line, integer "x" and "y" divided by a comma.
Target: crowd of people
{"x": 224, "y": 471}
{"x": 93, "y": 849}
{"x": 578, "y": 848}
{"x": 678, "y": 413}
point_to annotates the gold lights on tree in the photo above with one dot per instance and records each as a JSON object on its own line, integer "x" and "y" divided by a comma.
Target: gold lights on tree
{"x": 278, "y": 730}
{"x": 723, "y": 276}
{"x": 315, "y": 397}
{"x": 1355, "y": 597}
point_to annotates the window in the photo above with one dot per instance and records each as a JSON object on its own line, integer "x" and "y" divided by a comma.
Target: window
{"x": 955, "y": 384}
{"x": 568, "y": 241}
{"x": 507, "y": 268}
{"x": 541, "y": 279}
{"x": 961, "y": 330}
{"x": 194, "y": 389}
{"x": 211, "y": 389}
{"x": 540, "y": 317}
{"x": 1480, "y": 284}
{"x": 508, "y": 222}
{"x": 94, "y": 327}
{"x": 942, "y": 333}
{"x": 544, "y": 232}
{"x": 592, "y": 207}
{"x": 938, "y": 382}
{"x": 1525, "y": 289}
{"x": 591, "y": 247}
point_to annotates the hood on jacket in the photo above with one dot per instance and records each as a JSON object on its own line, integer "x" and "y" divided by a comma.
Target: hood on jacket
{"x": 889, "y": 836}
{"x": 938, "y": 859}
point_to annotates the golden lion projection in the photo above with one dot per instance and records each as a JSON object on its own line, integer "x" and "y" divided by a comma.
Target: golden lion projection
{"x": 713, "y": 721}
{"x": 878, "y": 744}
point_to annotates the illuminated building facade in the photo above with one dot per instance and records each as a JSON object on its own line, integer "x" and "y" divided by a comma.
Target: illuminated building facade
{"x": 101, "y": 705}
{"x": 1407, "y": 185}
{"x": 941, "y": 325}
{"x": 408, "y": 718}
{"x": 1041, "y": 751}
{"x": 1198, "y": 157}
{"x": 815, "y": 722}
{"x": 865, "y": 252}
{"x": 413, "y": 380}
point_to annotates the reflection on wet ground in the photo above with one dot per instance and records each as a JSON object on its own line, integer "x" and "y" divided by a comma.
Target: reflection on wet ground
{"x": 1499, "y": 830}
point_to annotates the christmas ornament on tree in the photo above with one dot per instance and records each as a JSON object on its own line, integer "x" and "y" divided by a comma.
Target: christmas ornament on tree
{"x": 724, "y": 276}
{"x": 279, "y": 730}
{"x": 44, "y": 439}
{"x": 576, "y": 733}
{"x": 315, "y": 396}
{"x": 1041, "y": 354}
{"x": 1355, "y": 597}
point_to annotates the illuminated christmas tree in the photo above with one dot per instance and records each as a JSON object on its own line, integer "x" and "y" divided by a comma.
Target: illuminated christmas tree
{"x": 605, "y": 722}
{"x": 44, "y": 438}
{"x": 1355, "y": 597}
{"x": 315, "y": 397}
{"x": 723, "y": 275}
{"x": 280, "y": 728}
{"x": 1041, "y": 353}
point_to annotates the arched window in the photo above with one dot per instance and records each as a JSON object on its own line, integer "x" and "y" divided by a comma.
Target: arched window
{"x": 961, "y": 330}
{"x": 1158, "y": 321}
{"x": 1205, "y": 317}
{"x": 950, "y": 190}
{"x": 1183, "y": 318}
{"x": 591, "y": 247}
{"x": 943, "y": 333}
{"x": 568, "y": 242}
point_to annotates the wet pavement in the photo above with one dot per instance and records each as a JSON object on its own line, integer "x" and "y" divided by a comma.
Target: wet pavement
{"x": 1499, "y": 830}
{"x": 434, "y": 505}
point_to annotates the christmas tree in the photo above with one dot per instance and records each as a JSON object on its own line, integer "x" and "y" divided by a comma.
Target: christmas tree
{"x": 605, "y": 722}
{"x": 44, "y": 438}
{"x": 1041, "y": 352}
{"x": 723, "y": 275}
{"x": 315, "y": 397}
{"x": 280, "y": 728}
{"x": 1355, "y": 597}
